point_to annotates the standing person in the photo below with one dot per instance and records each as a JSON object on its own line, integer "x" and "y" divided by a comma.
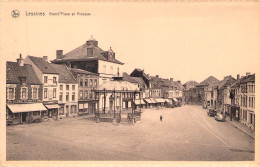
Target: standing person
{"x": 161, "y": 117}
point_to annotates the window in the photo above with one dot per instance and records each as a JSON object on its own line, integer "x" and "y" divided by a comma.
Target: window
{"x": 23, "y": 80}
{"x": 45, "y": 79}
{"x": 45, "y": 92}
{"x": 90, "y": 82}
{"x": 90, "y": 94}
{"x": 73, "y": 109}
{"x": 81, "y": 82}
{"x": 54, "y": 80}
{"x": 61, "y": 87}
{"x": 95, "y": 82}
{"x": 61, "y": 96}
{"x": 86, "y": 82}
{"x": 73, "y": 96}
{"x": 86, "y": 94}
{"x": 67, "y": 96}
{"x": 81, "y": 94}
{"x": 11, "y": 94}
{"x": 24, "y": 93}
{"x": 73, "y": 87}
{"x": 34, "y": 93}
{"x": 54, "y": 92}
{"x": 67, "y": 87}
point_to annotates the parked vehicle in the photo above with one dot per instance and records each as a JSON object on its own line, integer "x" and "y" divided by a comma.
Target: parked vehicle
{"x": 220, "y": 117}
{"x": 169, "y": 106}
{"x": 212, "y": 112}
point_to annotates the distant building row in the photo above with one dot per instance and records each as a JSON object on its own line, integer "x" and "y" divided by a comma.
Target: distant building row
{"x": 234, "y": 97}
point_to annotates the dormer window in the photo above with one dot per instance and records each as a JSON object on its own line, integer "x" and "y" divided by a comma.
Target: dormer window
{"x": 23, "y": 80}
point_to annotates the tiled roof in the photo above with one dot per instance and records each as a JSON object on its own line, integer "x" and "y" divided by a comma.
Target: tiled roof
{"x": 225, "y": 81}
{"x": 190, "y": 84}
{"x": 65, "y": 75}
{"x": 80, "y": 71}
{"x": 80, "y": 54}
{"x": 128, "y": 78}
{"x": 249, "y": 78}
{"x": 43, "y": 65}
{"x": 174, "y": 84}
{"x": 208, "y": 80}
{"x": 140, "y": 81}
{"x": 14, "y": 72}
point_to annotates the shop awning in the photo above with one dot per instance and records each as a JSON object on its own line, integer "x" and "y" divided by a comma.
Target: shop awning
{"x": 52, "y": 106}
{"x": 174, "y": 99}
{"x": 17, "y": 108}
{"x": 166, "y": 100}
{"x": 137, "y": 102}
{"x": 153, "y": 101}
{"x": 148, "y": 101}
{"x": 159, "y": 100}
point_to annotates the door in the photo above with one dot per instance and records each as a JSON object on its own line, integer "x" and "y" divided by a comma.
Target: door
{"x": 24, "y": 115}
{"x": 67, "y": 111}
{"x": 111, "y": 105}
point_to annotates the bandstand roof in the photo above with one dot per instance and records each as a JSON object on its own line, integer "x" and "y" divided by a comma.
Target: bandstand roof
{"x": 118, "y": 86}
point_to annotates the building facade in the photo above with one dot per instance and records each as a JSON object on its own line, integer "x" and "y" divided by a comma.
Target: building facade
{"x": 23, "y": 93}
{"x": 88, "y": 82}
{"x": 67, "y": 92}
{"x": 49, "y": 78}
{"x": 90, "y": 57}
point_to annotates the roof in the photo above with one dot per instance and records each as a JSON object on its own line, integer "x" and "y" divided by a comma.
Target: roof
{"x": 249, "y": 78}
{"x": 65, "y": 76}
{"x": 227, "y": 80}
{"x": 175, "y": 84}
{"x": 141, "y": 73}
{"x": 14, "y": 72}
{"x": 140, "y": 82}
{"x": 190, "y": 84}
{"x": 43, "y": 65}
{"x": 208, "y": 80}
{"x": 118, "y": 86}
{"x": 80, "y": 54}
{"x": 80, "y": 71}
{"x": 128, "y": 78}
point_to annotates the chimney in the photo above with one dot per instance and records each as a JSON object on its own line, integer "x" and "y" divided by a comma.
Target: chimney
{"x": 171, "y": 79}
{"x": 179, "y": 81}
{"x": 238, "y": 76}
{"x": 45, "y": 58}
{"x": 157, "y": 76}
{"x": 92, "y": 42}
{"x": 247, "y": 74}
{"x": 20, "y": 61}
{"x": 59, "y": 54}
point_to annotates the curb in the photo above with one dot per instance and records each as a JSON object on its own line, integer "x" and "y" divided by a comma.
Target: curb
{"x": 241, "y": 129}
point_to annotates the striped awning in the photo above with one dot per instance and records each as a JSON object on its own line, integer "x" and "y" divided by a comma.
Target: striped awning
{"x": 148, "y": 101}
{"x": 174, "y": 99}
{"x": 18, "y": 108}
{"x": 153, "y": 101}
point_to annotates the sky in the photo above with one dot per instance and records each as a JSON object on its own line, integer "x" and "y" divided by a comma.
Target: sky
{"x": 180, "y": 40}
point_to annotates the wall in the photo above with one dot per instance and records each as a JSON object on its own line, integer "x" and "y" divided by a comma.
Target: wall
{"x": 108, "y": 73}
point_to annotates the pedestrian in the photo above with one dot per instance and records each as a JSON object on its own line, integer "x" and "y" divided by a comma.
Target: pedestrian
{"x": 161, "y": 117}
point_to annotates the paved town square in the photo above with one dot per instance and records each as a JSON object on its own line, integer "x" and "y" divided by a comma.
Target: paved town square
{"x": 185, "y": 133}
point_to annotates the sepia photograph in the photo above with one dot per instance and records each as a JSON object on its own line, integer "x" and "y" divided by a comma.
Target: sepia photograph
{"x": 129, "y": 81}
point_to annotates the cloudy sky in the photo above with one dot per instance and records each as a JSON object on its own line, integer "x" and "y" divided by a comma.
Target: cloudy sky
{"x": 181, "y": 40}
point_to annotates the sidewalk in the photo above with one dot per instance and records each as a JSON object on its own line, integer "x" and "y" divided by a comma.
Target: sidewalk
{"x": 241, "y": 127}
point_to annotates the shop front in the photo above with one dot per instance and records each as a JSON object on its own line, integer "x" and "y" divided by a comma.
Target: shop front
{"x": 53, "y": 111}
{"x": 29, "y": 112}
